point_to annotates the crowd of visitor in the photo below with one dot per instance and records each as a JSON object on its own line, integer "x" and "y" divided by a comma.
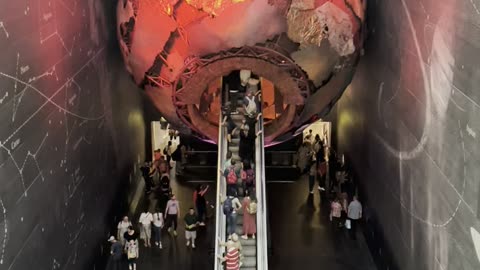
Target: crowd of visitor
{"x": 335, "y": 181}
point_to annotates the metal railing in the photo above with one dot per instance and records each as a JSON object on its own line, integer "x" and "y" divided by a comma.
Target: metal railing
{"x": 262, "y": 228}
{"x": 220, "y": 225}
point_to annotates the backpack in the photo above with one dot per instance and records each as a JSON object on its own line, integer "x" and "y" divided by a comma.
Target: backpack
{"x": 177, "y": 155}
{"x": 243, "y": 175}
{"x": 252, "y": 208}
{"x": 165, "y": 185}
{"x": 250, "y": 176}
{"x": 162, "y": 167}
{"x": 132, "y": 251}
{"x": 227, "y": 207}
{"x": 251, "y": 107}
{"x": 232, "y": 176}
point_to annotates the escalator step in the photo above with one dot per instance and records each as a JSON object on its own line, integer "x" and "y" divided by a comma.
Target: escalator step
{"x": 248, "y": 242}
{"x": 249, "y": 262}
{"x": 249, "y": 251}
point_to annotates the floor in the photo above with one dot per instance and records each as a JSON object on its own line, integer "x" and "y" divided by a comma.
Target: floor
{"x": 301, "y": 235}
{"x": 175, "y": 254}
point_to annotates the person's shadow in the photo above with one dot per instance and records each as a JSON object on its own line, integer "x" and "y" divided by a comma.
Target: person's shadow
{"x": 308, "y": 210}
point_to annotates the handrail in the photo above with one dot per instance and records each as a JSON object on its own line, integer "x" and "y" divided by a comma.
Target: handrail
{"x": 262, "y": 230}
{"x": 220, "y": 224}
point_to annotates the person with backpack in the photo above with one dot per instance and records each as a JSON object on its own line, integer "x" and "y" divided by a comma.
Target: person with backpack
{"x": 250, "y": 105}
{"x": 132, "y": 254}
{"x": 158, "y": 223}
{"x": 228, "y": 160}
{"x": 248, "y": 176}
{"x": 165, "y": 185}
{"x": 231, "y": 177}
{"x": 249, "y": 216}
{"x": 231, "y": 206}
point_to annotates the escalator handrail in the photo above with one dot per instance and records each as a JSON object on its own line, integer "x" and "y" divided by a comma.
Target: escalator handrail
{"x": 262, "y": 234}
{"x": 220, "y": 224}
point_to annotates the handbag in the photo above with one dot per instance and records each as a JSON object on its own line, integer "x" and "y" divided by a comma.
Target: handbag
{"x": 348, "y": 224}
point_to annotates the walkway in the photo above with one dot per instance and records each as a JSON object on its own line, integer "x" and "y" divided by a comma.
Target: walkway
{"x": 302, "y": 237}
{"x": 299, "y": 228}
{"x": 175, "y": 254}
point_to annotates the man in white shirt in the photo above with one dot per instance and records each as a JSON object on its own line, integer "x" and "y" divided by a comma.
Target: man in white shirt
{"x": 146, "y": 219}
{"x": 354, "y": 214}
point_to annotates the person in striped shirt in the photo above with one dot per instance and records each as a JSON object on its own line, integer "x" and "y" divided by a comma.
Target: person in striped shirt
{"x": 231, "y": 259}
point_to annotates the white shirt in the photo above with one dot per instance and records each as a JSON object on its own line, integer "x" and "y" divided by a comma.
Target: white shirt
{"x": 146, "y": 218}
{"x": 355, "y": 210}
{"x": 158, "y": 219}
{"x": 123, "y": 227}
{"x": 172, "y": 207}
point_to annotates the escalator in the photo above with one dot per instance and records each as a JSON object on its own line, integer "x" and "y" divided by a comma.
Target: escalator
{"x": 254, "y": 251}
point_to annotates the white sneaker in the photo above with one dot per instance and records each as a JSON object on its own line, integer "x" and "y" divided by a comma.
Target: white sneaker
{"x": 188, "y": 243}
{"x": 202, "y": 224}
{"x": 156, "y": 244}
{"x": 169, "y": 229}
{"x": 160, "y": 245}
{"x": 253, "y": 236}
{"x": 321, "y": 188}
{"x": 193, "y": 245}
{"x": 175, "y": 233}
{"x": 244, "y": 237}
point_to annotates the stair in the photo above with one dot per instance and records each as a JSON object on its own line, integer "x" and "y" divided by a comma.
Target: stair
{"x": 249, "y": 246}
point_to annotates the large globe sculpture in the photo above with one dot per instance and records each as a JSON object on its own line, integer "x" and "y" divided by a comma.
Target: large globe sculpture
{"x": 305, "y": 51}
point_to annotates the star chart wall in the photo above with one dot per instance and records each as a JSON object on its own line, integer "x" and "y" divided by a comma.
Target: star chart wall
{"x": 64, "y": 106}
{"x": 410, "y": 123}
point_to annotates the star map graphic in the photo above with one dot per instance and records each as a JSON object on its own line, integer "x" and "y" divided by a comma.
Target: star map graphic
{"x": 53, "y": 118}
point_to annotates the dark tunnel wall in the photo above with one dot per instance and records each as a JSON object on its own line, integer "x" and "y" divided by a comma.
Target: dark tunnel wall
{"x": 71, "y": 127}
{"x": 410, "y": 124}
